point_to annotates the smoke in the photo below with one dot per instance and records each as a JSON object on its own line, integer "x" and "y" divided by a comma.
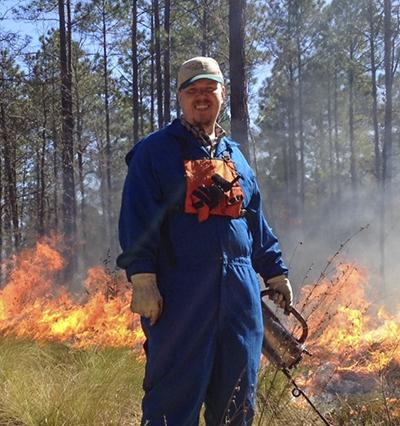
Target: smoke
{"x": 348, "y": 230}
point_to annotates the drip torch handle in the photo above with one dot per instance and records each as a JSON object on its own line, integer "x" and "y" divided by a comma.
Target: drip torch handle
{"x": 290, "y": 310}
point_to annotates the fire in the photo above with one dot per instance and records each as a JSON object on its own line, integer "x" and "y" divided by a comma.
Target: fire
{"x": 33, "y": 306}
{"x": 351, "y": 338}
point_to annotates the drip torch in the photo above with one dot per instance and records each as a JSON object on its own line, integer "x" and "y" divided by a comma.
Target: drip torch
{"x": 283, "y": 349}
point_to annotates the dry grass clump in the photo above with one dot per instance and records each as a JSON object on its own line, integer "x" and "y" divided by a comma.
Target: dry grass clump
{"x": 52, "y": 384}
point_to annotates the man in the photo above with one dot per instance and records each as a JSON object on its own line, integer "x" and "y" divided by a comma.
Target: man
{"x": 193, "y": 237}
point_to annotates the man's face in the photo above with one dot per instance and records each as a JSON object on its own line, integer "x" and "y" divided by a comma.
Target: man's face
{"x": 201, "y": 102}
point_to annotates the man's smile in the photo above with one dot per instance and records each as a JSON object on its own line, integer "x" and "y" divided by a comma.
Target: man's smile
{"x": 202, "y": 107}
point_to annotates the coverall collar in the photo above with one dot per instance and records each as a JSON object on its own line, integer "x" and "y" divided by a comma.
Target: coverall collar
{"x": 201, "y": 135}
{"x": 177, "y": 129}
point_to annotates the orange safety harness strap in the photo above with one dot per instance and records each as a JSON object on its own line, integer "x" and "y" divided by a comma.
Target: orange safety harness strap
{"x": 212, "y": 187}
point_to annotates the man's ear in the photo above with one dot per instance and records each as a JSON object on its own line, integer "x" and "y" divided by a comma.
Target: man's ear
{"x": 223, "y": 92}
{"x": 178, "y": 97}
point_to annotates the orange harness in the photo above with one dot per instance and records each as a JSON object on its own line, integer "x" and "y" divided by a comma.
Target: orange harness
{"x": 212, "y": 187}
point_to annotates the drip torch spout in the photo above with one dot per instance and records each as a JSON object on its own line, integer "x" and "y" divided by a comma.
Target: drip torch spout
{"x": 297, "y": 391}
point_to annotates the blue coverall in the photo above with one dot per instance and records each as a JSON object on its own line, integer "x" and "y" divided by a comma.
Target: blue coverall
{"x": 206, "y": 345}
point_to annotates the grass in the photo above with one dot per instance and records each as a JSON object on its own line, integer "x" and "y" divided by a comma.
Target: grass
{"x": 53, "y": 384}
{"x": 277, "y": 407}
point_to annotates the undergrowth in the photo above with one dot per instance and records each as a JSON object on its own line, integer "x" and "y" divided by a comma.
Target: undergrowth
{"x": 53, "y": 384}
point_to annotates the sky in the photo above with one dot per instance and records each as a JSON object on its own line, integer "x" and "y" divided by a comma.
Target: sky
{"x": 24, "y": 27}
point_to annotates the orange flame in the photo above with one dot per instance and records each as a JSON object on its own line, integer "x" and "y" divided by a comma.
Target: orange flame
{"x": 349, "y": 336}
{"x": 33, "y": 306}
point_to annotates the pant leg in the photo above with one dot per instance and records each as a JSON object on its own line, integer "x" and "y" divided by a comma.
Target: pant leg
{"x": 176, "y": 398}
{"x": 181, "y": 347}
{"x": 231, "y": 393}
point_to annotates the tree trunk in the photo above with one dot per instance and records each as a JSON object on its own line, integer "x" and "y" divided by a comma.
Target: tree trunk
{"x": 107, "y": 152}
{"x": 68, "y": 198}
{"x": 156, "y": 11}
{"x": 42, "y": 186}
{"x": 372, "y": 35}
{"x": 141, "y": 104}
{"x": 336, "y": 121}
{"x": 8, "y": 243}
{"x": 237, "y": 68}
{"x": 350, "y": 73}
{"x": 301, "y": 124}
{"x": 102, "y": 179}
{"x": 54, "y": 137}
{"x": 1, "y": 217}
{"x": 292, "y": 149}
{"x": 83, "y": 195}
{"x": 387, "y": 141}
{"x": 167, "y": 65}
{"x": 80, "y": 151}
{"x": 41, "y": 168}
{"x": 135, "y": 73}
{"x": 204, "y": 29}
{"x": 152, "y": 73}
{"x": 330, "y": 141}
{"x": 387, "y": 138}
{"x": 10, "y": 179}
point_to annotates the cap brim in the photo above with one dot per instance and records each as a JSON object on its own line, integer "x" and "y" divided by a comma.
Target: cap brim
{"x": 213, "y": 77}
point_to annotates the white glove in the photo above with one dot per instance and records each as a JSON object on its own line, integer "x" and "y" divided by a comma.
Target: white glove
{"x": 146, "y": 298}
{"x": 284, "y": 294}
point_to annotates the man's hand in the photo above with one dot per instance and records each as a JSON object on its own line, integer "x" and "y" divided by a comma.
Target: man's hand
{"x": 284, "y": 294}
{"x": 146, "y": 298}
